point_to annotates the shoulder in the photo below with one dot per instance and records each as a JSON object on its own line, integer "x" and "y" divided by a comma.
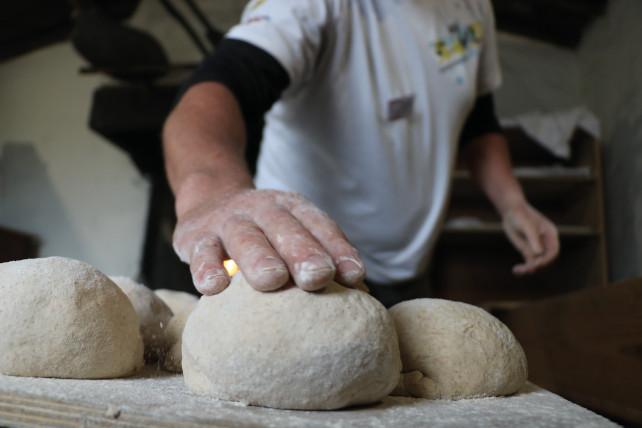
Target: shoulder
{"x": 302, "y": 9}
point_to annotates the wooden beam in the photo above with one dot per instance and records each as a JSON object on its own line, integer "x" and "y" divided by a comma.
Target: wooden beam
{"x": 587, "y": 346}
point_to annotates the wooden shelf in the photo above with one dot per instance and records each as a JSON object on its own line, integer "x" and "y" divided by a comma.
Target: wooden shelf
{"x": 487, "y": 233}
{"x": 473, "y": 258}
{"x": 537, "y": 186}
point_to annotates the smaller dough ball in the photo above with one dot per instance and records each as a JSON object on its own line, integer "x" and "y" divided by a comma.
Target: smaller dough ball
{"x": 453, "y": 350}
{"x": 181, "y": 304}
{"x": 63, "y": 318}
{"x": 153, "y": 316}
{"x": 173, "y": 359}
{"x": 178, "y": 301}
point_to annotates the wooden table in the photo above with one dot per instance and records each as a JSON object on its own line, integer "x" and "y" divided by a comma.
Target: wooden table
{"x": 156, "y": 398}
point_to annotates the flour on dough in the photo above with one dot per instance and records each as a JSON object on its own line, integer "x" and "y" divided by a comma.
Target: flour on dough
{"x": 153, "y": 316}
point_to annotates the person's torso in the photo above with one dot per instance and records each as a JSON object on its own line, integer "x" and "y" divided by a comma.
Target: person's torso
{"x": 372, "y": 137}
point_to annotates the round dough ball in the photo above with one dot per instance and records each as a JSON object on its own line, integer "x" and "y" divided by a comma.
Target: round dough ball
{"x": 178, "y": 301}
{"x": 63, "y": 318}
{"x": 453, "y": 350}
{"x": 174, "y": 333}
{"x": 153, "y": 316}
{"x": 291, "y": 349}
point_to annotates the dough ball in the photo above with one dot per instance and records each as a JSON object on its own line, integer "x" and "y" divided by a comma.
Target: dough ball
{"x": 63, "y": 318}
{"x": 153, "y": 316}
{"x": 181, "y": 304}
{"x": 453, "y": 350}
{"x": 173, "y": 359}
{"x": 178, "y": 301}
{"x": 291, "y": 349}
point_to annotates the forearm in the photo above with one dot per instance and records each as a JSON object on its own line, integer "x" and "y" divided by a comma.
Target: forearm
{"x": 204, "y": 145}
{"x": 488, "y": 160}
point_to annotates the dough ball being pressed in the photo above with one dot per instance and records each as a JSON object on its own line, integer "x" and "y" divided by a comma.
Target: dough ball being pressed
{"x": 153, "y": 316}
{"x": 453, "y": 350}
{"x": 178, "y": 301}
{"x": 291, "y": 349}
{"x": 62, "y": 318}
{"x": 174, "y": 333}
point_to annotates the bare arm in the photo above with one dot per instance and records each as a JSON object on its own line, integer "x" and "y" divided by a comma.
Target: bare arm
{"x": 272, "y": 235}
{"x": 530, "y": 232}
{"x": 204, "y": 144}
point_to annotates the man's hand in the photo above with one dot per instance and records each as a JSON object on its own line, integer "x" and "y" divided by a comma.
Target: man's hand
{"x": 272, "y": 236}
{"x": 529, "y": 231}
{"x": 533, "y": 235}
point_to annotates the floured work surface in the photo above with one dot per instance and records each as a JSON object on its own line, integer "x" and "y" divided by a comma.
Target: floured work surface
{"x": 156, "y": 398}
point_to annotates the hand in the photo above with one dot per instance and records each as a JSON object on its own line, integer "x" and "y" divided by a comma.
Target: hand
{"x": 271, "y": 235}
{"x": 533, "y": 235}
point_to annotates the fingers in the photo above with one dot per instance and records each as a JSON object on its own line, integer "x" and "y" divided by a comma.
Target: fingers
{"x": 350, "y": 270}
{"x": 522, "y": 245}
{"x": 532, "y": 239}
{"x": 551, "y": 241}
{"x": 310, "y": 265}
{"x": 271, "y": 235}
{"x": 549, "y": 238}
{"x": 246, "y": 243}
{"x": 545, "y": 240}
{"x": 206, "y": 265}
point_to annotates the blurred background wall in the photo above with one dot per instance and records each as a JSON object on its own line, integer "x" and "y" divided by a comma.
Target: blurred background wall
{"x": 611, "y": 63}
{"x": 56, "y": 175}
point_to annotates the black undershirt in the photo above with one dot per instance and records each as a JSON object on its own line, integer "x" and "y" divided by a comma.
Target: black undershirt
{"x": 258, "y": 80}
{"x": 481, "y": 120}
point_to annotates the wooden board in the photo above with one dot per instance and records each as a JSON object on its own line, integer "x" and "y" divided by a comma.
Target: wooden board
{"x": 155, "y": 398}
{"x": 587, "y": 346}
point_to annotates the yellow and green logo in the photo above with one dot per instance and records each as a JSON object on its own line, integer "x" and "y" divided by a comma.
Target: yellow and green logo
{"x": 459, "y": 42}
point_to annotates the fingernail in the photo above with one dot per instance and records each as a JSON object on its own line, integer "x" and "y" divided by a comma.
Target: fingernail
{"x": 271, "y": 266}
{"x": 314, "y": 270}
{"x": 214, "y": 282}
{"x": 350, "y": 270}
{"x": 268, "y": 274}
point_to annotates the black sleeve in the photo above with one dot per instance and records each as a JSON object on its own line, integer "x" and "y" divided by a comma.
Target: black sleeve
{"x": 255, "y": 77}
{"x": 481, "y": 120}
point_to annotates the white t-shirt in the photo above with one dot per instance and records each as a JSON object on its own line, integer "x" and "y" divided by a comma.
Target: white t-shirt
{"x": 369, "y": 127}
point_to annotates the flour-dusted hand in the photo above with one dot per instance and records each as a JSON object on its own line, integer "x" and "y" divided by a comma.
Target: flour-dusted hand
{"x": 272, "y": 236}
{"x": 534, "y": 235}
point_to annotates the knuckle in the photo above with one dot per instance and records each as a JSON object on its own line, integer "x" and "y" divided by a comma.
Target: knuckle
{"x": 233, "y": 224}
{"x": 207, "y": 245}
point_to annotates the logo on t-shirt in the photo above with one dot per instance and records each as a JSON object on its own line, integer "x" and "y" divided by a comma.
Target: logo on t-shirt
{"x": 460, "y": 44}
